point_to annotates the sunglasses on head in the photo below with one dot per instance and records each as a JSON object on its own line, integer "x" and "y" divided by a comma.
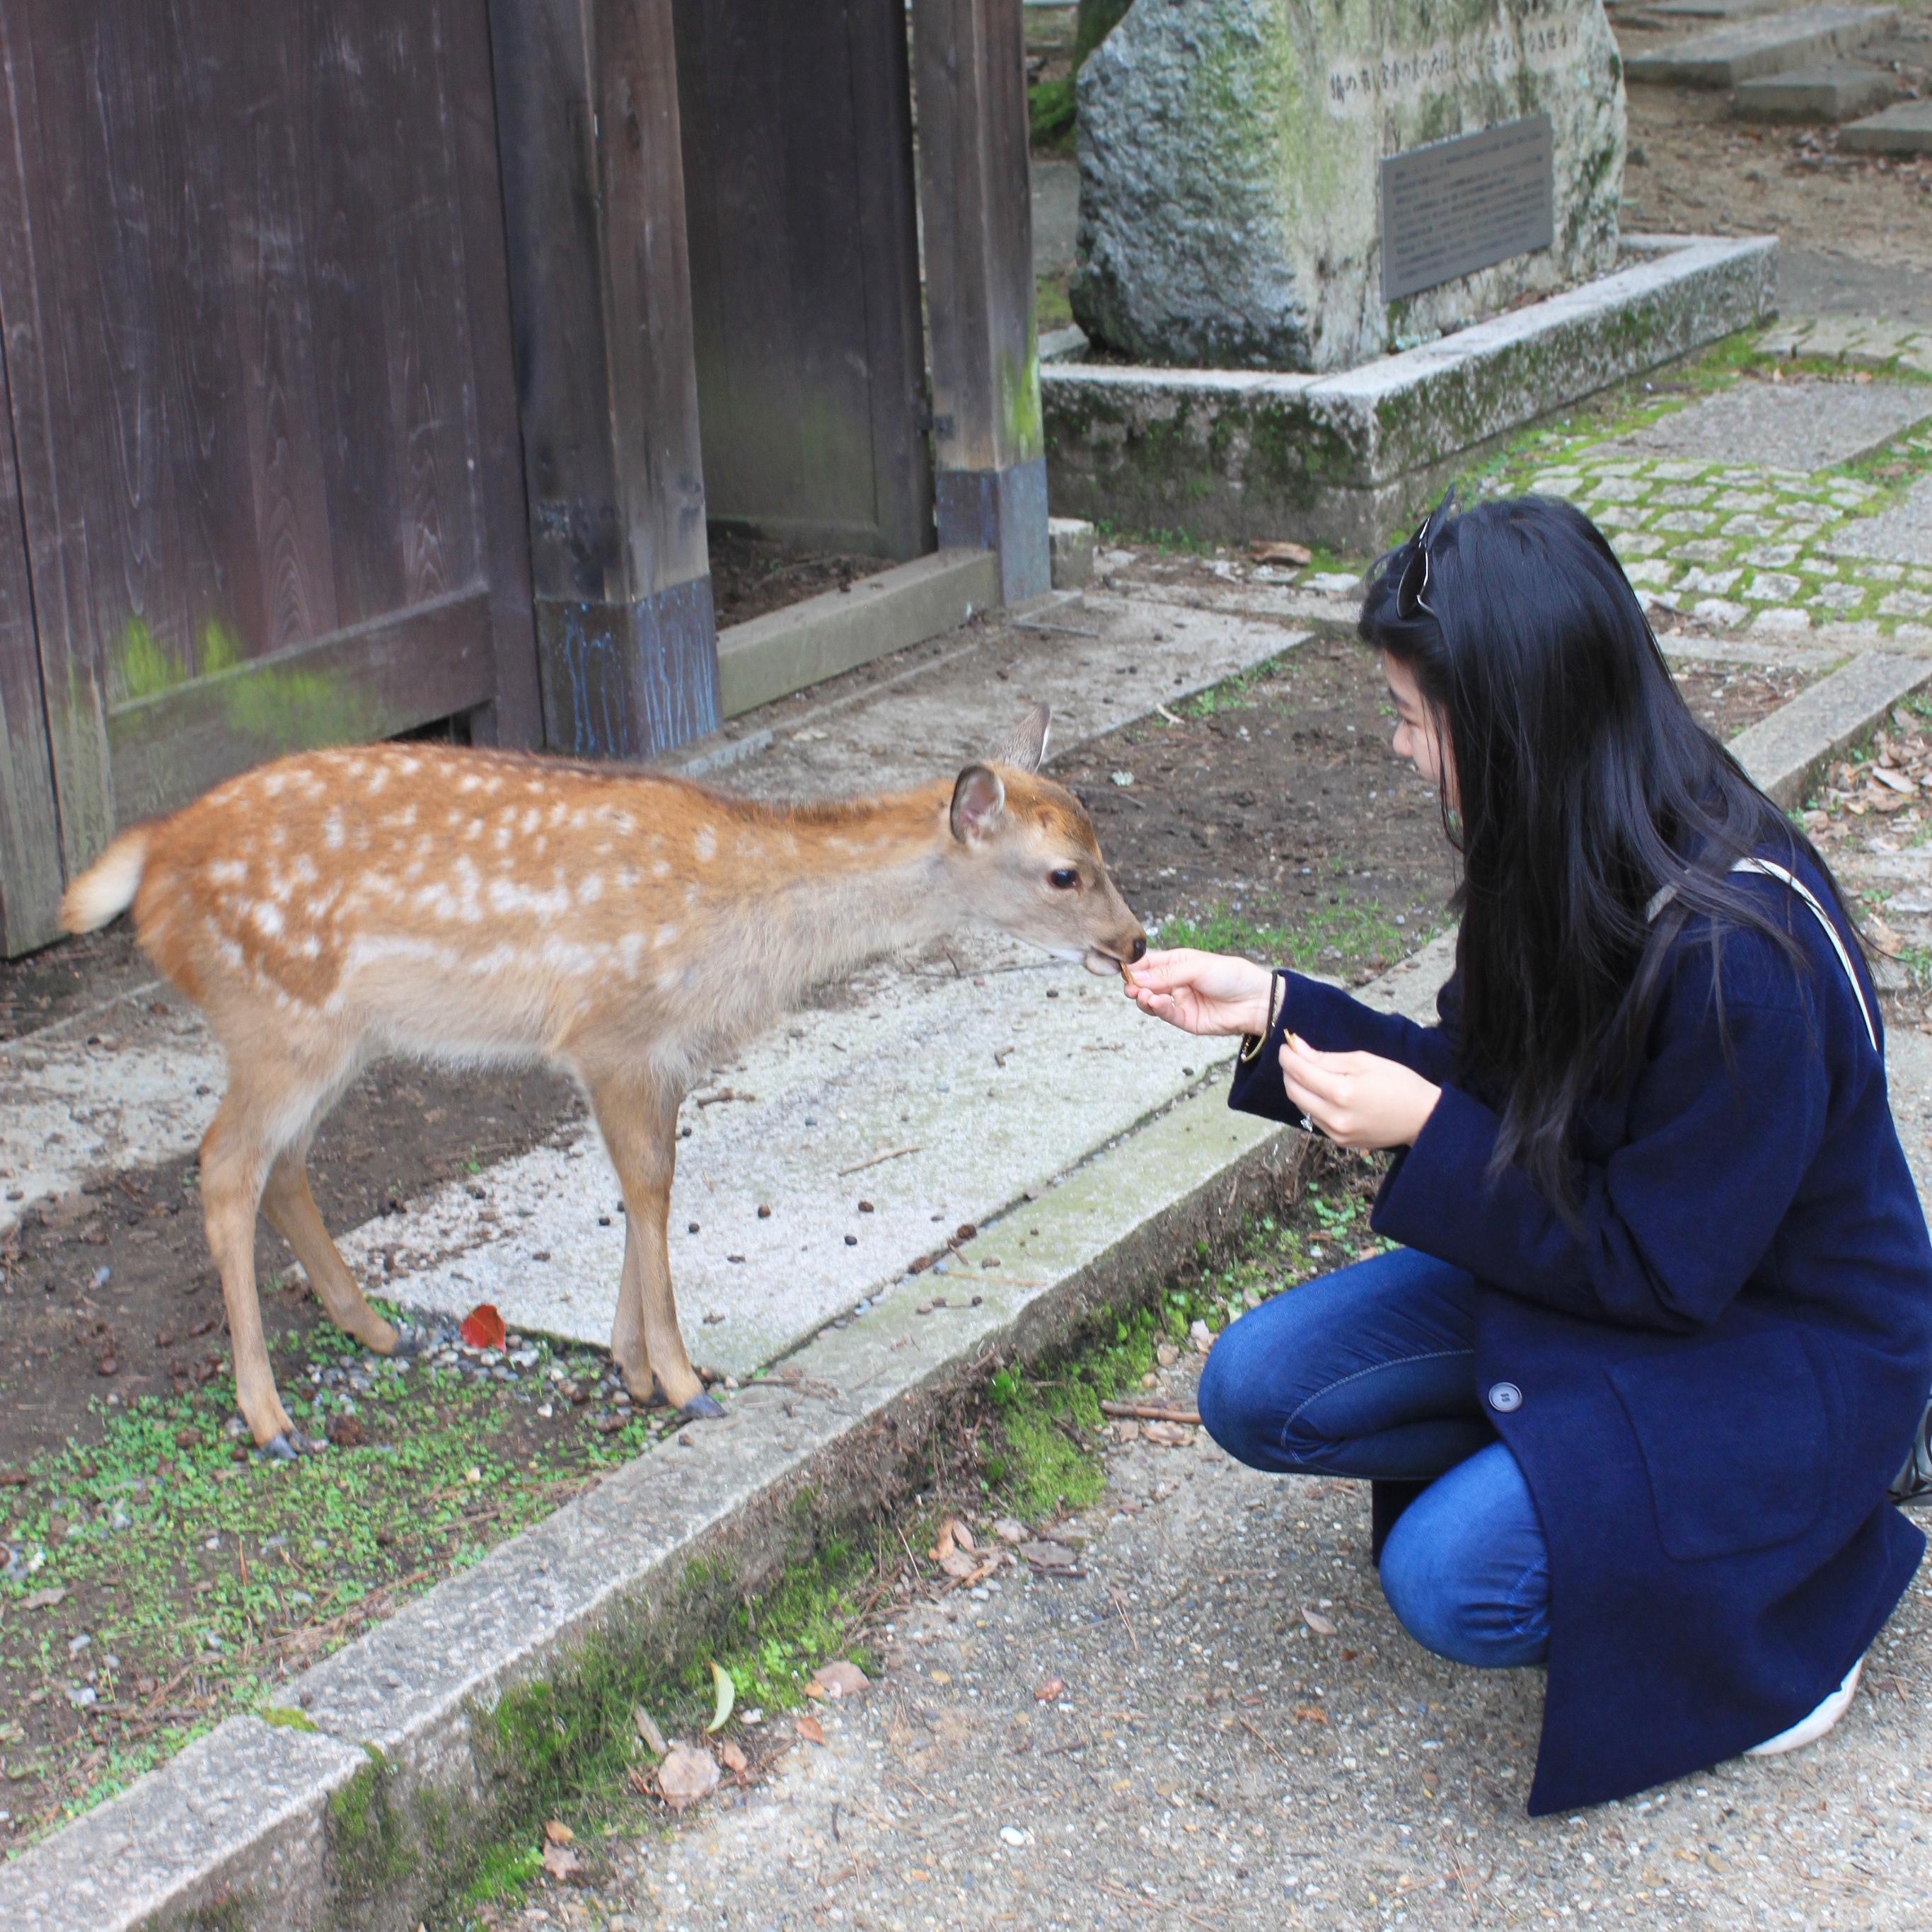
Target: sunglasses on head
{"x": 1411, "y": 588}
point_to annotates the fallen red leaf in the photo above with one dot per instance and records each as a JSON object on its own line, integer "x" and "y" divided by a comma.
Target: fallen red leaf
{"x": 1048, "y": 1689}
{"x": 483, "y": 1327}
{"x": 733, "y": 1758}
{"x": 809, "y": 1728}
{"x": 558, "y": 1832}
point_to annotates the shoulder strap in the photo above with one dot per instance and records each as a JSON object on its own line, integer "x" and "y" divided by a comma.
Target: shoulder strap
{"x": 1770, "y": 869}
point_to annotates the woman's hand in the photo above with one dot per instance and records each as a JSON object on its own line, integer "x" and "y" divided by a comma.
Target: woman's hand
{"x": 1202, "y": 992}
{"x": 1357, "y": 1100}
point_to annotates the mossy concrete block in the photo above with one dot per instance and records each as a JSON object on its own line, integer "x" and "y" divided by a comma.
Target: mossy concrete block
{"x": 1345, "y": 459}
{"x": 1229, "y": 153}
{"x": 233, "y": 1830}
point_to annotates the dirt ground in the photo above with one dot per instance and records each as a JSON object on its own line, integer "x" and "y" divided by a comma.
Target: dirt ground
{"x": 1694, "y": 167}
{"x": 751, "y": 577}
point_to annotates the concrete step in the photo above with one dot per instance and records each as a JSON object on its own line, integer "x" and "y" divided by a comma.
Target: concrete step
{"x": 1786, "y": 753}
{"x": 807, "y": 642}
{"x": 1835, "y": 91}
{"x": 1906, "y": 129}
{"x": 1729, "y": 55}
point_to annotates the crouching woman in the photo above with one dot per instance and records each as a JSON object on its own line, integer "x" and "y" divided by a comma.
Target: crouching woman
{"x": 1659, "y": 1330}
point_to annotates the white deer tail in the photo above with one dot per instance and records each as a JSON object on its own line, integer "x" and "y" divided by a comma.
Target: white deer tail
{"x": 108, "y": 885}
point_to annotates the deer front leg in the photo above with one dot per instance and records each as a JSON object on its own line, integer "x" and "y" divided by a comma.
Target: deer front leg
{"x": 289, "y": 1208}
{"x": 639, "y": 1124}
{"x": 629, "y": 1349}
{"x": 232, "y": 1165}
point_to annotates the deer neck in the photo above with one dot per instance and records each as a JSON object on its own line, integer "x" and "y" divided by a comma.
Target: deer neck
{"x": 828, "y": 886}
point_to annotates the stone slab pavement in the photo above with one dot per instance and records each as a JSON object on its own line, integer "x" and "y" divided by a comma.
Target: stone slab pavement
{"x": 1246, "y": 1737}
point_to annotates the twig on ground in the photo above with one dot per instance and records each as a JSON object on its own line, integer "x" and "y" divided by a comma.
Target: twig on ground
{"x": 1153, "y": 1411}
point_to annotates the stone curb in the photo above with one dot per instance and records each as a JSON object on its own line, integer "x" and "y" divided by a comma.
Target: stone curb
{"x": 242, "y": 1818}
{"x": 1786, "y": 753}
{"x": 1344, "y": 458}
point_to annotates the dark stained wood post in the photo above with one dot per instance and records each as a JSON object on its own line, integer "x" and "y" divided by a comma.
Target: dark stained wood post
{"x": 30, "y": 858}
{"x": 600, "y": 289}
{"x": 990, "y": 480}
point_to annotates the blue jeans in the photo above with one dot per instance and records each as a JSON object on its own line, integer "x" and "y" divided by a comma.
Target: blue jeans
{"x": 1370, "y": 1372}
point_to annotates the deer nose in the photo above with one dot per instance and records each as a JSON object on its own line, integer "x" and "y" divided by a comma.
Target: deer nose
{"x": 1139, "y": 948}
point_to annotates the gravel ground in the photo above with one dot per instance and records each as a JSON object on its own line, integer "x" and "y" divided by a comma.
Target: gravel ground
{"x": 1217, "y": 1758}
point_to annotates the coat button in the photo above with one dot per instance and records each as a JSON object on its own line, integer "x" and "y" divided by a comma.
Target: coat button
{"x": 1504, "y": 1397}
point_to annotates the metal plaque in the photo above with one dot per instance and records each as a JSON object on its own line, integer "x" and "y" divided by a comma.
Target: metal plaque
{"x": 1455, "y": 206}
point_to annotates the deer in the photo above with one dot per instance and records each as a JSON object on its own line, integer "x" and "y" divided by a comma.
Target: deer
{"x": 475, "y": 907}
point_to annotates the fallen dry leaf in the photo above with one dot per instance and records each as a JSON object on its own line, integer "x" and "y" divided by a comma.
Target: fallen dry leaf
{"x": 1308, "y": 1714}
{"x": 558, "y": 1832}
{"x": 1008, "y": 1531}
{"x": 1897, "y": 781}
{"x": 560, "y": 1861}
{"x": 641, "y": 1722}
{"x": 961, "y": 1535}
{"x": 687, "y": 1775}
{"x": 939, "y": 1677}
{"x": 643, "y": 1782}
{"x": 957, "y": 1563}
{"x": 1125, "y": 1431}
{"x": 840, "y": 1679}
{"x": 345, "y": 1431}
{"x": 1048, "y": 1555}
{"x": 1168, "y": 1434}
{"x": 735, "y": 1760}
{"x": 483, "y": 1327}
{"x": 808, "y": 1728}
{"x": 44, "y": 1599}
{"x": 1278, "y": 550}
{"x": 1048, "y": 1688}
{"x": 1317, "y": 1622}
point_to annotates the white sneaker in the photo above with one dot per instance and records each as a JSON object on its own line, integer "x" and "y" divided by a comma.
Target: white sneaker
{"x": 1808, "y": 1730}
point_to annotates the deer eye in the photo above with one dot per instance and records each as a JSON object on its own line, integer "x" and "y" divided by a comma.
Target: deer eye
{"x": 1064, "y": 879}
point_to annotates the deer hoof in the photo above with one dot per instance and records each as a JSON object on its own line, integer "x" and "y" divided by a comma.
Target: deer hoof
{"x": 701, "y": 1407}
{"x": 410, "y": 1340}
{"x": 279, "y": 1449}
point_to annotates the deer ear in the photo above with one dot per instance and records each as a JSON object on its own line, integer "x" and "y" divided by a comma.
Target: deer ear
{"x": 1024, "y": 746}
{"x": 978, "y": 800}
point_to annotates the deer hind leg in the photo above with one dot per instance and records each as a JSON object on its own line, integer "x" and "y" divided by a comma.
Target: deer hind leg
{"x": 236, "y": 1155}
{"x": 639, "y": 1124}
{"x": 289, "y": 1208}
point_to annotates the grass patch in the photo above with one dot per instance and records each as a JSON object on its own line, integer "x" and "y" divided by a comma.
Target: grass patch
{"x": 154, "y": 1585}
{"x": 1329, "y": 938}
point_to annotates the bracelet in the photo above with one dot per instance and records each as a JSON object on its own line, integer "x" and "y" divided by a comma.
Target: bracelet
{"x": 1277, "y": 989}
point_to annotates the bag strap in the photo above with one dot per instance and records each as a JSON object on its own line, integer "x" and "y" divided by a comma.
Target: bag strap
{"x": 1769, "y": 869}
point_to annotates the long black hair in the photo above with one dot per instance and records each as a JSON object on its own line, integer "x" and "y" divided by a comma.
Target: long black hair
{"x": 1585, "y": 789}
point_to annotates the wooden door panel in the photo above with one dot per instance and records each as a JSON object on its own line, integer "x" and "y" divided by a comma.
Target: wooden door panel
{"x": 260, "y": 382}
{"x": 804, "y": 268}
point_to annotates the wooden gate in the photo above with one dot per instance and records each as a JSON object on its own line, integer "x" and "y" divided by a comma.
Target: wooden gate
{"x": 263, "y": 484}
{"x": 805, "y": 297}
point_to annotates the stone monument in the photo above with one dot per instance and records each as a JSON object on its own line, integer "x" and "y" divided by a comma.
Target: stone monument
{"x": 1233, "y": 183}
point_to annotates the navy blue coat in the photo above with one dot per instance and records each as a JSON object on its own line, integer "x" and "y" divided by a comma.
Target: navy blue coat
{"x": 1720, "y": 1372}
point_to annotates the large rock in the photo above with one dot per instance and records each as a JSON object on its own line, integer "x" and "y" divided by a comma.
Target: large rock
{"x": 1229, "y": 163}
